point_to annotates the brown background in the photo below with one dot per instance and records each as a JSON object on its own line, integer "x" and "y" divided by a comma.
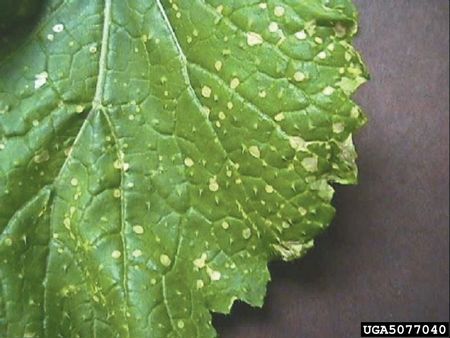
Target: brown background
{"x": 386, "y": 255}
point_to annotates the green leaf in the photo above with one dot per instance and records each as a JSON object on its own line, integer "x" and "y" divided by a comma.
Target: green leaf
{"x": 156, "y": 155}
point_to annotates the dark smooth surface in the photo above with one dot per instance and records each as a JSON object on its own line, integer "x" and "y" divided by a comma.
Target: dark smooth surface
{"x": 386, "y": 255}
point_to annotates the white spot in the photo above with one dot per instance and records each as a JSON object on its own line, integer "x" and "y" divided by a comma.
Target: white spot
{"x": 50, "y": 37}
{"x": 213, "y": 185}
{"x": 116, "y": 254}
{"x": 222, "y": 115}
{"x": 269, "y": 189}
{"x": 297, "y": 143}
{"x": 206, "y": 91}
{"x": 348, "y": 56}
{"x": 302, "y": 211}
{"x": 246, "y": 233}
{"x": 58, "y": 28}
{"x": 138, "y": 229}
{"x": 93, "y": 49}
{"x": 254, "y": 151}
{"x": 328, "y": 91}
{"x": 354, "y": 112}
{"x": 218, "y": 65}
{"x": 215, "y": 275}
{"x": 235, "y": 83}
{"x": 180, "y": 324}
{"x": 338, "y": 128}
{"x": 310, "y": 163}
{"x": 279, "y": 11}
{"x": 299, "y": 76}
{"x": 41, "y": 157}
{"x": 200, "y": 284}
{"x": 263, "y": 5}
{"x": 125, "y": 166}
{"x": 74, "y": 182}
{"x": 322, "y": 55}
{"x": 301, "y": 35}
{"x": 225, "y": 225}
{"x": 188, "y": 162}
{"x": 165, "y": 260}
{"x": 254, "y": 39}
{"x": 279, "y": 117}
{"x": 273, "y": 27}
{"x": 117, "y": 193}
{"x": 137, "y": 253}
{"x": 40, "y": 80}
{"x": 79, "y": 109}
{"x": 200, "y": 262}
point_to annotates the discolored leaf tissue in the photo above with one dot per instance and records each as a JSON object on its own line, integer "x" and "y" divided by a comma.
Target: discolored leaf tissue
{"x": 156, "y": 155}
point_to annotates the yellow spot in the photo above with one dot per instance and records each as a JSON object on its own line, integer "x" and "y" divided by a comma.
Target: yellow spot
{"x": 301, "y": 35}
{"x": 200, "y": 262}
{"x": 165, "y": 260}
{"x": 188, "y": 162}
{"x": 235, "y": 83}
{"x": 354, "y": 112}
{"x": 310, "y": 164}
{"x": 225, "y": 225}
{"x": 299, "y": 76}
{"x": 254, "y": 39}
{"x": 328, "y": 91}
{"x": 117, "y": 193}
{"x": 246, "y": 233}
{"x": 206, "y": 91}
{"x": 297, "y": 143}
{"x": 218, "y": 65}
{"x": 273, "y": 27}
{"x": 254, "y": 151}
{"x": 41, "y": 157}
{"x": 269, "y": 189}
{"x": 338, "y": 128}
{"x": 213, "y": 185}
{"x": 279, "y": 117}
{"x": 74, "y": 182}
{"x": 215, "y": 275}
{"x": 138, "y": 229}
{"x": 279, "y": 11}
{"x": 116, "y": 254}
{"x": 302, "y": 211}
{"x": 137, "y": 253}
{"x": 322, "y": 55}
{"x": 180, "y": 324}
{"x": 200, "y": 284}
